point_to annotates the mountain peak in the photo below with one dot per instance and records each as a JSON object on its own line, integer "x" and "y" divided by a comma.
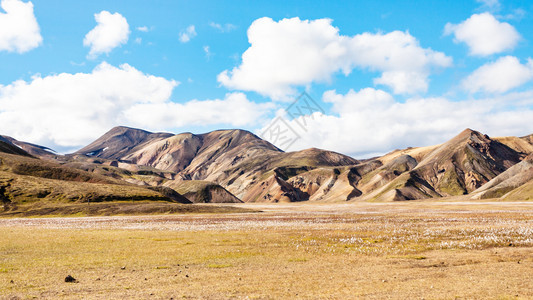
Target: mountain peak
{"x": 118, "y": 141}
{"x": 123, "y": 129}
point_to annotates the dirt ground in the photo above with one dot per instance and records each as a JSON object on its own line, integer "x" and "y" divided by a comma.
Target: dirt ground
{"x": 411, "y": 250}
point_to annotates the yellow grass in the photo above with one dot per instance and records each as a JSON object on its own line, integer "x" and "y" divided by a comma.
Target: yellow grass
{"x": 401, "y": 251}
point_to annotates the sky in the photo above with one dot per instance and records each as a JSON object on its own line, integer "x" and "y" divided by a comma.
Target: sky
{"x": 357, "y": 77}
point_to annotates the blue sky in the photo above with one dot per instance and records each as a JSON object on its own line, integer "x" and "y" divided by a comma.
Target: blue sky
{"x": 388, "y": 74}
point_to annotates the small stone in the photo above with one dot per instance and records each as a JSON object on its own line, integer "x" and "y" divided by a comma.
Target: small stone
{"x": 123, "y": 268}
{"x": 98, "y": 279}
{"x": 187, "y": 276}
{"x": 70, "y": 279}
{"x": 145, "y": 278}
{"x": 11, "y": 281}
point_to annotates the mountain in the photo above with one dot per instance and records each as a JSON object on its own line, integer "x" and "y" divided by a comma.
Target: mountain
{"x": 119, "y": 141}
{"x": 254, "y": 170}
{"x": 31, "y": 149}
{"x": 198, "y": 191}
{"x": 230, "y": 166}
{"x": 456, "y": 167}
{"x": 7, "y": 147}
{"x": 237, "y": 160}
{"x": 26, "y": 181}
{"x": 513, "y": 178}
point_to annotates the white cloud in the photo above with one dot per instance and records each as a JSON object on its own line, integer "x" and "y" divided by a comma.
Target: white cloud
{"x": 235, "y": 110}
{"x": 73, "y": 109}
{"x": 138, "y": 40}
{"x": 484, "y": 34}
{"x": 19, "y": 31}
{"x": 223, "y": 28}
{"x": 294, "y": 52}
{"x": 70, "y": 110}
{"x": 500, "y": 76}
{"x": 187, "y": 34}
{"x": 143, "y": 29}
{"x": 370, "y": 122}
{"x": 111, "y": 31}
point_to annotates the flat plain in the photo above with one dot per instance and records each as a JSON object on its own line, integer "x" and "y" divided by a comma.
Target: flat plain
{"x": 401, "y": 250}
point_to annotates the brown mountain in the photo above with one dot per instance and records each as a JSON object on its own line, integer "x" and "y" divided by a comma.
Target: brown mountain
{"x": 456, "y": 167}
{"x": 29, "y": 181}
{"x": 119, "y": 141}
{"x": 236, "y": 165}
{"x": 237, "y": 160}
{"x": 7, "y": 147}
{"x": 32, "y": 149}
{"x": 513, "y": 178}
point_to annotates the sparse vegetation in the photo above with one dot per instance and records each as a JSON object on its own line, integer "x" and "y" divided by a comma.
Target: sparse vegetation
{"x": 397, "y": 250}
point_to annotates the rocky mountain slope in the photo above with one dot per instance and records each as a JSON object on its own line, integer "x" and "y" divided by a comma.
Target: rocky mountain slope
{"x": 236, "y": 165}
{"x": 26, "y": 180}
{"x": 119, "y": 141}
{"x": 32, "y": 149}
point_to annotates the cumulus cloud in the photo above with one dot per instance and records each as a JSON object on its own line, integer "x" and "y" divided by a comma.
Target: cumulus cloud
{"x": 294, "y": 52}
{"x": 484, "y": 34}
{"x": 370, "y": 122}
{"x": 235, "y": 110}
{"x": 19, "y": 31}
{"x": 67, "y": 111}
{"x": 500, "y": 76}
{"x": 111, "y": 31}
{"x": 72, "y": 109}
{"x": 187, "y": 34}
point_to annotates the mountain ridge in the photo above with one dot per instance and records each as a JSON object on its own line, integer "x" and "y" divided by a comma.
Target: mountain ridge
{"x": 235, "y": 165}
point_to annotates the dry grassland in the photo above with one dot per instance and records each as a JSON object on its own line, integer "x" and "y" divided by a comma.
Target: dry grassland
{"x": 431, "y": 250}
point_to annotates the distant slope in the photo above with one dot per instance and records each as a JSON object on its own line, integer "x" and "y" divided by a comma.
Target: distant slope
{"x": 8, "y": 147}
{"x": 513, "y": 178}
{"x": 198, "y": 191}
{"x": 32, "y": 149}
{"x": 521, "y": 193}
{"x": 523, "y": 145}
{"x": 25, "y": 180}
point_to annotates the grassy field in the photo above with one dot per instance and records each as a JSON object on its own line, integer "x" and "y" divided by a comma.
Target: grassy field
{"x": 431, "y": 250}
{"x": 111, "y": 208}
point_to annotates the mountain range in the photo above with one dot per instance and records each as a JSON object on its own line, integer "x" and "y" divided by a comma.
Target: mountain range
{"x": 229, "y": 166}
